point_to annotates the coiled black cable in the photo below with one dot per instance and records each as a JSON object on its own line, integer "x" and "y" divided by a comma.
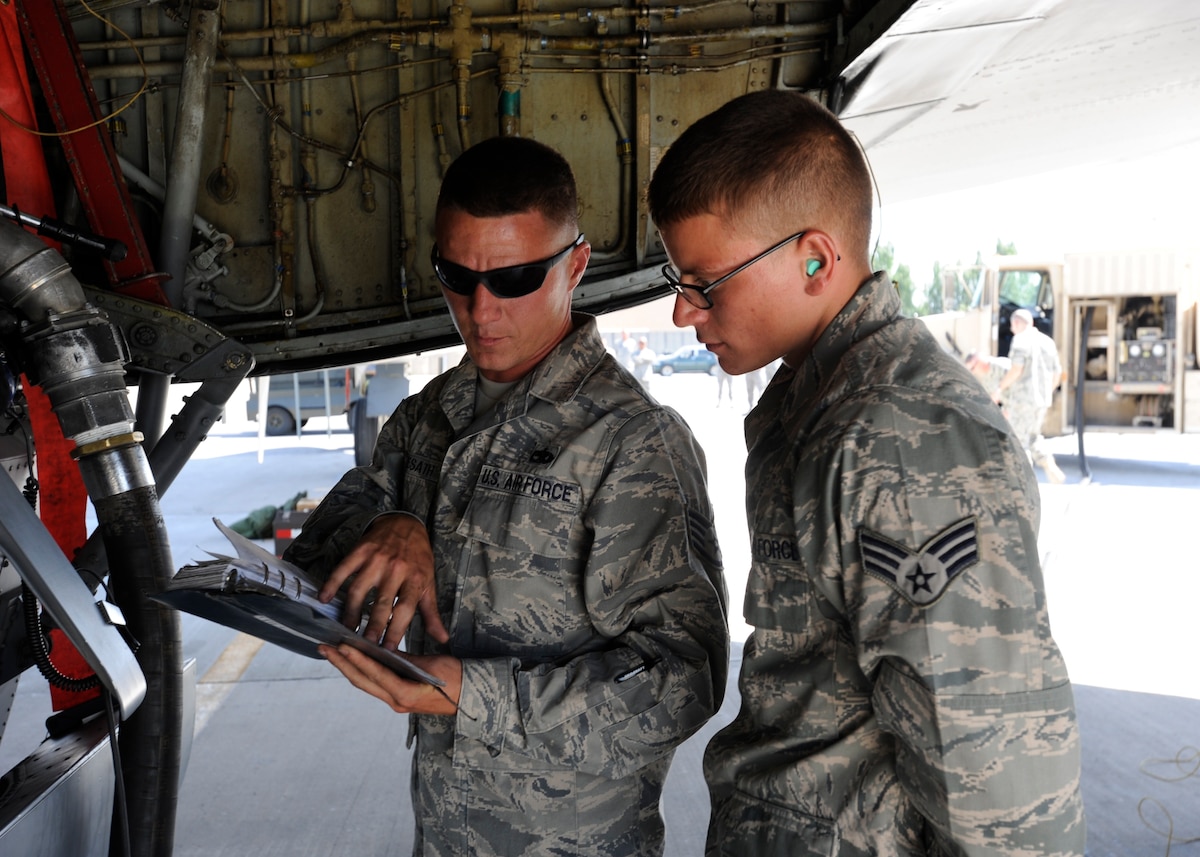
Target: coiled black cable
{"x": 33, "y": 617}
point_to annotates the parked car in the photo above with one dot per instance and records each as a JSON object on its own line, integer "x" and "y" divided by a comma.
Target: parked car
{"x": 690, "y": 358}
{"x": 281, "y": 399}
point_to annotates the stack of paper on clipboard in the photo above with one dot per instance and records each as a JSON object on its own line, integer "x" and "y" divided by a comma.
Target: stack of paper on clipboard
{"x": 270, "y": 598}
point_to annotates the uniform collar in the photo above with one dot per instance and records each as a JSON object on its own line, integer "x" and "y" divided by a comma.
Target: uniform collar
{"x": 559, "y": 377}
{"x": 556, "y": 379}
{"x": 794, "y": 390}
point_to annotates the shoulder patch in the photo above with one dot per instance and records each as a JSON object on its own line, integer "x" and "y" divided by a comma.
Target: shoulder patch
{"x": 921, "y": 575}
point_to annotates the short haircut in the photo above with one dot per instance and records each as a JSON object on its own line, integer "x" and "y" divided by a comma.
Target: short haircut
{"x": 1023, "y": 315}
{"x": 511, "y": 175}
{"x": 776, "y": 159}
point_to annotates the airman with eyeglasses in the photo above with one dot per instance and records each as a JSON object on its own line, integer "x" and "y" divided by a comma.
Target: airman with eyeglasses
{"x": 894, "y": 581}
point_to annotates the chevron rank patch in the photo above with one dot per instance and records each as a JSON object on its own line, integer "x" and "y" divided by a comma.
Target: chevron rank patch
{"x": 922, "y": 575}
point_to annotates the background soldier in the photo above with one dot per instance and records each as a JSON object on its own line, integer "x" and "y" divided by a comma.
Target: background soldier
{"x": 1027, "y": 389}
{"x": 989, "y": 370}
{"x": 643, "y": 362}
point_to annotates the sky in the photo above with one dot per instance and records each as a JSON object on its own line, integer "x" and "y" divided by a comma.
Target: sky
{"x": 1139, "y": 203}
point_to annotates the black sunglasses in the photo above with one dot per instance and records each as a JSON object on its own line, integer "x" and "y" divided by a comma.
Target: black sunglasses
{"x": 515, "y": 281}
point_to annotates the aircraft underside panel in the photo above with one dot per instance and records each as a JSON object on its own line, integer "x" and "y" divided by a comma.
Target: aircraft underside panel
{"x": 323, "y": 130}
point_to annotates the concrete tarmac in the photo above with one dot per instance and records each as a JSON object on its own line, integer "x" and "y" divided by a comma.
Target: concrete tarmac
{"x": 289, "y": 759}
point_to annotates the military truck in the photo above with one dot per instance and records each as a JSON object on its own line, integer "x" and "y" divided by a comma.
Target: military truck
{"x": 1125, "y": 323}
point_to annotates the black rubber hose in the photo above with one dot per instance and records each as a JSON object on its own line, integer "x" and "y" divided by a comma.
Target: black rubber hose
{"x": 135, "y": 540}
{"x": 1080, "y": 377}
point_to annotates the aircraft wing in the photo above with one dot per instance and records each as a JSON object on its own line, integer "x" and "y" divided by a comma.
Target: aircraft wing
{"x": 961, "y": 94}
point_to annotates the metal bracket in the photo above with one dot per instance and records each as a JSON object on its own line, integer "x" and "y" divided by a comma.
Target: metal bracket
{"x": 29, "y": 547}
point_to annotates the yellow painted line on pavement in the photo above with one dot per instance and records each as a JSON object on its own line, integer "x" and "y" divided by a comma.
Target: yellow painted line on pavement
{"x": 222, "y": 677}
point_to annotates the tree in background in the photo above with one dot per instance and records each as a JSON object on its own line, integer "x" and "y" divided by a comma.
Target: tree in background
{"x": 967, "y": 283}
{"x": 935, "y": 291}
{"x": 966, "y": 291}
{"x": 885, "y": 260}
{"x": 953, "y": 287}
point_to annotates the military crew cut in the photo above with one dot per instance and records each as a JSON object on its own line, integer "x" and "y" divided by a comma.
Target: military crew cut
{"x": 511, "y": 175}
{"x": 773, "y": 159}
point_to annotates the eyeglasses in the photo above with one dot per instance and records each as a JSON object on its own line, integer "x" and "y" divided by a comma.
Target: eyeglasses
{"x": 515, "y": 281}
{"x": 699, "y": 296}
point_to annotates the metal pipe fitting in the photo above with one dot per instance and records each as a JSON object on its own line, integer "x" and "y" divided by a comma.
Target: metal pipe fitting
{"x": 72, "y": 351}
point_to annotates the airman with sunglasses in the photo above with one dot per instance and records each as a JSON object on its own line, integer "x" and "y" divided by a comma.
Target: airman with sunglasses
{"x": 901, "y": 691}
{"x": 545, "y": 526}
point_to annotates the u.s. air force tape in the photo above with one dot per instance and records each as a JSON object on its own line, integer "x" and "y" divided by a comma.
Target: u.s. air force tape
{"x": 529, "y": 485}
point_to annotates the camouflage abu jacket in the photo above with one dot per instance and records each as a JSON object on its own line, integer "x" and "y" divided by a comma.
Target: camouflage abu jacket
{"x": 901, "y": 692}
{"x": 580, "y": 580}
{"x": 1039, "y": 355}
